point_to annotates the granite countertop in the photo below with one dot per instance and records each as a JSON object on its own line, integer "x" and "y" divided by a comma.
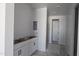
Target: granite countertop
{"x": 23, "y": 39}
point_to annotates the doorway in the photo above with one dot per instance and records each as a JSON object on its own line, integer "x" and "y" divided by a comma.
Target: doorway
{"x": 55, "y": 31}
{"x": 53, "y": 46}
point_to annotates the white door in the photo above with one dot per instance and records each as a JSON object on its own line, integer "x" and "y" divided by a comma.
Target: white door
{"x": 55, "y": 30}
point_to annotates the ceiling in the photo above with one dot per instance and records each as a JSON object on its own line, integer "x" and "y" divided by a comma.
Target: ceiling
{"x": 55, "y": 8}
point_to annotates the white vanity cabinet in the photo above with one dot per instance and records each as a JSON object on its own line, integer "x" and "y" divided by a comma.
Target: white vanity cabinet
{"x": 25, "y": 48}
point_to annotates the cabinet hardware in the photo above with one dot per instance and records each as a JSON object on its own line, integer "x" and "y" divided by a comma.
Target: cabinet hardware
{"x": 34, "y": 43}
{"x": 19, "y": 52}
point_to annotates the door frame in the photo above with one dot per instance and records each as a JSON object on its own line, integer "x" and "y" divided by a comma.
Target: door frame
{"x": 76, "y": 30}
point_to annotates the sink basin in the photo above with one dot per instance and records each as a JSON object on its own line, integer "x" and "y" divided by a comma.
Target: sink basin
{"x": 31, "y": 37}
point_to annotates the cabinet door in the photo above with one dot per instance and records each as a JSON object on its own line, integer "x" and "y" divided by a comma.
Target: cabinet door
{"x": 23, "y": 51}
{"x": 32, "y": 46}
{"x": 18, "y": 52}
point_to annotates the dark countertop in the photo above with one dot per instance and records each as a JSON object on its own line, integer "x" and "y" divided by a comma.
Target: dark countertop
{"x": 23, "y": 39}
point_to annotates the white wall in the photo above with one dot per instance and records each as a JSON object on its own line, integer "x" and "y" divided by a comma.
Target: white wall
{"x": 62, "y": 28}
{"x": 6, "y": 28}
{"x": 9, "y": 29}
{"x": 2, "y": 28}
{"x": 23, "y": 20}
{"x": 41, "y": 17}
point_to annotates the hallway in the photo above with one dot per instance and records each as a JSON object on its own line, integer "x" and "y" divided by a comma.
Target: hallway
{"x": 53, "y": 50}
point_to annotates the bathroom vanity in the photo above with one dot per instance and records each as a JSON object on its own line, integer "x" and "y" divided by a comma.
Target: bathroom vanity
{"x": 25, "y": 47}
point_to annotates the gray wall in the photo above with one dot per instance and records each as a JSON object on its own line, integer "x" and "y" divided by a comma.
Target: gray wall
{"x": 23, "y": 20}
{"x": 78, "y": 35}
{"x": 70, "y": 32}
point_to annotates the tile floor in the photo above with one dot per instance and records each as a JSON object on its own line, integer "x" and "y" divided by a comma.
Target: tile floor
{"x": 53, "y": 50}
